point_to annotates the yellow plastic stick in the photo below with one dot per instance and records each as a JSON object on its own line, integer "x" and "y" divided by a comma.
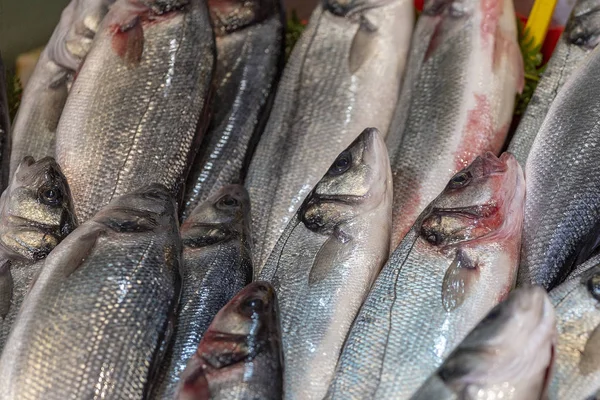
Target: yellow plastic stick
{"x": 539, "y": 20}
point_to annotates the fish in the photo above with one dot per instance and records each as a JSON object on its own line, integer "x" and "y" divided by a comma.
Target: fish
{"x": 508, "y": 355}
{"x": 576, "y": 374}
{"x": 240, "y": 355}
{"x": 5, "y": 141}
{"x": 464, "y": 72}
{"x": 458, "y": 261}
{"x": 562, "y": 209}
{"x": 580, "y": 37}
{"x": 96, "y": 321}
{"x": 250, "y": 56}
{"x": 216, "y": 265}
{"x": 36, "y": 214}
{"x": 343, "y": 76}
{"x": 44, "y": 96}
{"x": 345, "y": 222}
{"x": 136, "y": 113}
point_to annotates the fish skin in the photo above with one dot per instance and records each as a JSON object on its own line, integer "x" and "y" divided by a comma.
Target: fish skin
{"x": 344, "y": 222}
{"x": 580, "y": 37}
{"x": 562, "y": 209}
{"x": 457, "y": 262}
{"x": 94, "y": 323}
{"x": 240, "y": 355}
{"x": 330, "y": 90}
{"x": 154, "y": 61}
{"x": 5, "y": 142}
{"x": 457, "y": 102}
{"x": 576, "y": 374}
{"x": 249, "y": 60}
{"x": 507, "y": 355}
{"x": 32, "y": 222}
{"x": 44, "y": 96}
{"x": 217, "y": 264}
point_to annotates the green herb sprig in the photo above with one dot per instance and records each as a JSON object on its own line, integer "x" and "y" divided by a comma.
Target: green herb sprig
{"x": 295, "y": 27}
{"x": 532, "y": 62}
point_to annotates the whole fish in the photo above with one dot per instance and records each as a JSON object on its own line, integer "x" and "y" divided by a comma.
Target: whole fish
{"x": 249, "y": 57}
{"x": 4, "y": 129}
{"x": 343, "y": 76}
{"x": 240, "y": 355}
{"x": 508, "y": 355}
{"x": 44, "y": 96}
{"x": 577, "y": 371}
{"x": 461, "y": 88}
{"x": 216, "y": 265}
{"x": 580, "y": 37}
{"x": 326, "y": 260}
{"x": 135, "y": 113}
{"x": 562, "y": 209}
{"x": 36, "y": 213}
{"x": 94, "y": 323}
{"x": 458, "y": 261}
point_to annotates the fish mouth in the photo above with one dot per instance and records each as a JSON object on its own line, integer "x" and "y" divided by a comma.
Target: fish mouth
{"x": 343, "y": 199}
{"x": 471, "y": 212}
{"x": 29, "y": 224}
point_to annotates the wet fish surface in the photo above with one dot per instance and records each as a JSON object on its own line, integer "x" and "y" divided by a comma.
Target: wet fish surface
{"x": 343, "y": 223}
{"x": 249, "y": 57}
{"x": 508, "y": 355}
{"x": 458, "y": 261}
{"x": 4, "y": 128}
{"x": 36, "y": 214}
{"x": 217, "y": 264}
{"x": 464, "y": 71}
{"x": 136, "y": 112}
{"x": 94, "y": 322}
{"x": 330, "y": 91}
{"x": 576, "y": 374}
{"x": 240, "y": 356}
{"x": 562, "y": 209}
{"x": 44, "y": 96}
{"x": 580, "y": 37}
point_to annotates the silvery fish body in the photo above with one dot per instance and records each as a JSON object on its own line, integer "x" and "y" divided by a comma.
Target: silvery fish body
{"x": 34, "y": 130}
{"x": 36, "y": 214}
{"x": 464, "y": 71}
{"x": 216, "y": 265}
{"x": 344, "y": 223}
{"x": 459, "y": 260}
{"x": 249, "y": 58}
{"x": 135, "y": 114}
{"x": 5, "y": 141}
{"x": 343, "y": 76}
{"x": 508, "y": 355}
{"x": 95, "y": 321}
{"x": 562, "y": 209}
{"x": 577, "y": 41}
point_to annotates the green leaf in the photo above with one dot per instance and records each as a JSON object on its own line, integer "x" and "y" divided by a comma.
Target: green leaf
{"x": 532, "y": 63}
{"x": 295, "y": 27}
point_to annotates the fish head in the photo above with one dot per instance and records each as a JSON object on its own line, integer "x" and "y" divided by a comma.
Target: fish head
{"x": 486, "y": 197}
{"x": 509, "y": 351}
{"x": 583, "y": 28}
{"x": 358, "y": 180}
{"x": 234, "y": 15}
{"x": 223, "y": 216}
{"x": 36, "y": 209}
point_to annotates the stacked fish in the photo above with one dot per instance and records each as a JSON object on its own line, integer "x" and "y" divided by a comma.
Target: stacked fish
{"x": 203, "y": 222}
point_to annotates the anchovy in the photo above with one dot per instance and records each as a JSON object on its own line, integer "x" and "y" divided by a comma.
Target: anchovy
{"x": 344, "y": 75}
{"x": 458, "y": 261}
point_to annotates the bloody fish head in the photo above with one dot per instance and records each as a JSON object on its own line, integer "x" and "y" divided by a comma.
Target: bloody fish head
{"x": 233, "y": 15}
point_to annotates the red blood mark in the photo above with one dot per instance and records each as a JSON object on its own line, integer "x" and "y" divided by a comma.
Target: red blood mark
{"x": 128, "y": 42}
{"x": 477, "y": 134}
{"x": 491, "y": 11}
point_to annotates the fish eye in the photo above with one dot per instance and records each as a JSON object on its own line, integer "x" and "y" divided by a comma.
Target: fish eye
{"x": 253, "y": 306}
{"x": 228, "y": 202}
{"x": 50, "y": 195}
{"x": 461, "y": 179}
{"x": 341, "y": 164}
{"x": 593, "y": 286}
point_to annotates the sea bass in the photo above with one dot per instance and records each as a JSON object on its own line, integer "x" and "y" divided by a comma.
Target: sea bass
{"x": 44, "y": 96}
{"x": 5, "y": 141}
{"x": 458, "y": 261}
{"x": 135, "y": 113}
{"x": 457, "y": 102}
{"x": 580, "y": 37}
{"x": 249, "y": 58}
{"x": 577, "y": 371}
{"x": 216, "y": 265}
{"x": 343, "y": 76}
{"x": 508, "y": 355}
{"x": 95, "y": 321}
{"x": 326, "y": 260}
{"x": 36, "y": 214}
{"x": 562, "y": 209}
{"x": 240, "y": 356}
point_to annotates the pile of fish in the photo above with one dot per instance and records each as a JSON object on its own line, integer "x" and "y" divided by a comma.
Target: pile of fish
{"x": 187, "y": 215}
